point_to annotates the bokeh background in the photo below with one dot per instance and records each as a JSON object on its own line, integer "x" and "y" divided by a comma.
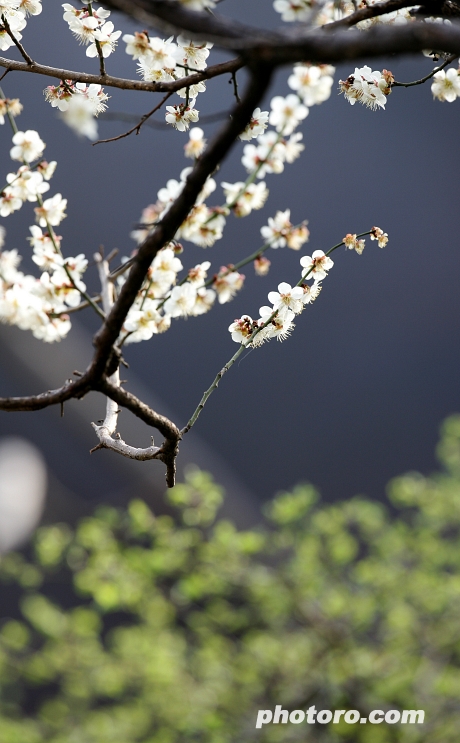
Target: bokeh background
{"x": 357, "y": 394}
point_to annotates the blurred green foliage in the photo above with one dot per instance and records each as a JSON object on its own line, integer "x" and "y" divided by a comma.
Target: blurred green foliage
{"x": 176, "y": 632}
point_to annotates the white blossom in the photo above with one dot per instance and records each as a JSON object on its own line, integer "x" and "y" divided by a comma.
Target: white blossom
{"x": 151, "y": 73}
{"x": 181, "y": 300}
{"x": 446, "y": 85}
{"x": 316, "y": 266}
{"x": 311, "y": 84}
{"x": 160, "y": 54}
{"x": 204, "y": 300}
{"x": 287, "y": 297}
{"x": 192, "y": 53}
{"x": 280, "y": 326}
{"x": 380, "y": 236}
{"x": 181, "y": 116}
{"x": 137, "y": 45}
{"x": 27, "y": 146}
{"x": 196, "y": 144}
{"x": 227, "y": 283}
{"x": 287, "y": 113}
{"x": 293, "y": 10}
{"x": 11, "y": 106}
{"x": 31, "y": 7}
{"x": 107, "y": 38}
{"x": 243, "y": 199}
{"x": 9, "y": 202}
{"x": 242, "y": 329}
{"x": 198, "y": 274}
{"x": 27, "y": 184}
{"x": 370, "y": 88}
{"x": 79, "y": 115}
{"x": 256, "y": 126}
{"x": 52, "y": 212}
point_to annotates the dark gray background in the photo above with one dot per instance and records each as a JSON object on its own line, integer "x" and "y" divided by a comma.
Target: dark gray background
{"x": 357, "y": 394}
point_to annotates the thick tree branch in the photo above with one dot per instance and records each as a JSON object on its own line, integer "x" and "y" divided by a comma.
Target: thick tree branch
{"x": 119, "y": 82}
{"x": 105, "y": 360}
{"x": 167, "y": 228}
{"x": 295, "y": 43}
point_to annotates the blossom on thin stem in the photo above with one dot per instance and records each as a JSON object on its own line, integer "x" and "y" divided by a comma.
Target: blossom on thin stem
{"x": 196, "y": 144}
{"x": 312, "y": 83}
{"x": 11, "y": 106}
{"x": 261, "y": 265}
{"x": 281, "y": 232}
{"x": 317, "y": 265}
{"x": 27, "y": 146}
{"x": 256, "y": 126}
{"x": 227, "y": 283}
{"x": 287, "y": 113}
{"x": 243, "y": 199}
{"x": 181, "y": 116}
{"x": 370, "y": 88}
{"x": 352, "y": 243}
{"x": 380, "y": 236}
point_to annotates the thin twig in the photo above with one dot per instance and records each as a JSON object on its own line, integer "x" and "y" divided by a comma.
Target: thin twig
{"x": 235, "y": 86}
{"x": 137, "y": 127}
{"x": 448, "y": 61}
{"x": 98, "y": 45}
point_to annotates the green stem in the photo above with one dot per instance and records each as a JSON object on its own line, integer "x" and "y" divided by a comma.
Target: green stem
{"x": 211, "y": 389}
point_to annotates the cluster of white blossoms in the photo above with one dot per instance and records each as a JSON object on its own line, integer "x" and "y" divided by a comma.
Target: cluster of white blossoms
{"x": 331, "y": 10}
{"x": 37, "y": 304}
{"x": 161, "y": 298}
{"x": 162, "y": 60}
{"x": 9, "y": 106}
{"x": 446, "y": 85}
{"x": 15, "y": 13}
{"x": 79, "y": 104}
{"x": 312, "y": 83}
{"x": 90, "y": 26}
{"x": 277, "y": 321}
{"x": 281, "y": 232}
{"x": 369, "y": 87}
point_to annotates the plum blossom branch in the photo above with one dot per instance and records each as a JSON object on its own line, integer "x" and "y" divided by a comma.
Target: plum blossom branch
{"x": 120, "y": 82}
{"x": 106, "y": 357}
{"x": 139, "y": 124}
{"x": 294, "y": 45}
{"x": 250, "y": 343}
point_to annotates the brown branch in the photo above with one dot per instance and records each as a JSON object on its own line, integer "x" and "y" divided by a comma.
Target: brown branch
{"x": 167, "y": 228}
{"x": 137, "y": 126}
{"x": 369, "y": 11}
{"x": 167, "y": 453}
{"x": 120, "y": 82}
{"x": 106, "y": 357}
{"x": 297, "y": 43}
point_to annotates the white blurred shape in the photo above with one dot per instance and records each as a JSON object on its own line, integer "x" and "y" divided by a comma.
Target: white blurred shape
{"x": 23, "y": 483}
